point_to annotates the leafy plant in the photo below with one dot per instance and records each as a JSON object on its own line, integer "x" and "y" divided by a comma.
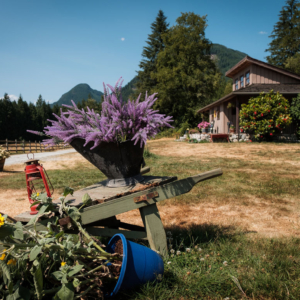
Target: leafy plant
{"x": 265, "y": 114}
{"x": 53, "y": 263}
{"x": 119, "y": 121}
{"x": 230, "y": 105}
{"x": 4, "y": 153}
{"x": 295, "y": 112}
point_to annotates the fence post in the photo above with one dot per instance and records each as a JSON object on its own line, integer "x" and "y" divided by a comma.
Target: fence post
{"x": 24, "y": 146}
{"x": 29, "y": 146}
{"x": 16, "y": 146}
{"x": 40, "y": 147}
{"x": 35, "y": 147}
{"x": 6, "y": 142}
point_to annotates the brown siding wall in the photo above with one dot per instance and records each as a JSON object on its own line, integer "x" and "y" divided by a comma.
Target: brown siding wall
{"x": 263, "y": 75}
{"x": 259, "y": 74}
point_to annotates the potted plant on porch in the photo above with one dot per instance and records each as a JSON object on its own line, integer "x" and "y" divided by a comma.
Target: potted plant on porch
{"x": 232, "y": 128}
{"x": 3, "y": 155}
{"x": 113, "y": 140}
{"x": 203, "y": 126}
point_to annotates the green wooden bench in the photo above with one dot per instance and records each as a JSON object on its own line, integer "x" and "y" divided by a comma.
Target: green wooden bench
{"x": 100, "y": 218}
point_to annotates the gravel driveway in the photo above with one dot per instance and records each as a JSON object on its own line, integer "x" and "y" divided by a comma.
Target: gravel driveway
{"x": 45, "y": 156}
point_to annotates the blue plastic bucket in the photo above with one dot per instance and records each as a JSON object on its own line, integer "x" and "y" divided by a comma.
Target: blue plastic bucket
{"x": 140, "y": 264}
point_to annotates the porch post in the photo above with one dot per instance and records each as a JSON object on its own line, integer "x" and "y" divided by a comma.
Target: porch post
{"x": 237, "y": 112}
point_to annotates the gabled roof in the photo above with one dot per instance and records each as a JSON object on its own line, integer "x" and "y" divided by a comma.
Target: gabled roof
{"x": 247, "y": 61}
{"x": 256, "y": 89}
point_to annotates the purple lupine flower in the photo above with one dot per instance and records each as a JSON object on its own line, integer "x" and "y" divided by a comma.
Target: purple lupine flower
{"x": 118, "y": 120}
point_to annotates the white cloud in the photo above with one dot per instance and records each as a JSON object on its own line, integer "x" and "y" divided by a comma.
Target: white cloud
{"x": 13, "y": 97}
{"x": 262, "y": 32}
{"x": 122, "y": 39}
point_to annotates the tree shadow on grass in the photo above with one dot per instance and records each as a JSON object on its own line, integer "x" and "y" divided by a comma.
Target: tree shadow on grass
{"x": 11, "y": 172}
{"x": 203, "y": 233}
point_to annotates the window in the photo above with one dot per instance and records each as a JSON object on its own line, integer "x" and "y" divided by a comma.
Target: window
{"x": 247, "y": 78}
{"x": 236, "y": 84}
{"x": 242, "y": 81}
{"x": 218, "y": 115}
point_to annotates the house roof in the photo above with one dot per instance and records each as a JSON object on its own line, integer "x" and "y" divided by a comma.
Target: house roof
{"x": 256, "y": 89}
{"x": 247, "y": 60}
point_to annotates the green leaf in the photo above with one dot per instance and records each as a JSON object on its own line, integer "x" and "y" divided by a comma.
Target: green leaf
{"x": 41, "y": 211}
{"x": 57, "y": 275}
{"x": 38, "y": 281}
{"x": 66, "y": 292}
{"x": 34, "y": 203}
{"x": 64, "y": 279}
{"x": 74, "y": 214}
{"x": 75, "y": 270}
{"x": 10, "y": 287}
{"x": 5, "y": 270}
{"x": 76, "y": 282}
{"x": 18, "y": 232}
{"x": 60, "y": 234}
{"x": 86, "y": 199}
{"x": 43, "y": 197}
{"x": 68, "y": 191}
{"x": 35, "y": 251}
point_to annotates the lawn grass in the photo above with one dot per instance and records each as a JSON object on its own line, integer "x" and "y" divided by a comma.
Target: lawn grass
{"x": 257, "y": 267}
{"x": 220, "y": 263}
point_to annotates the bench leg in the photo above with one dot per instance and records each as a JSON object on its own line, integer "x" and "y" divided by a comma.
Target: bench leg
{"x": 154, "y": 229}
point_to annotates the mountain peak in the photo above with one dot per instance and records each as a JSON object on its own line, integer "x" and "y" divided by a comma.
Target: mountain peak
{"x": 78, "y": 93}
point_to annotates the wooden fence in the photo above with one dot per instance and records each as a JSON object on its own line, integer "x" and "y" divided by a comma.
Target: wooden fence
{"x": 29, "y": 147}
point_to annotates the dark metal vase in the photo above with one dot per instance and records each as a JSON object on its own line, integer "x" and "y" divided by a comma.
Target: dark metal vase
{"x": 2, "y": 162}
{"x": 120, "y": 162}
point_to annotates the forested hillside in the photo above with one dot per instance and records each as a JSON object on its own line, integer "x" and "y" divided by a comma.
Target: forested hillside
{"x": 129, "y": 88}
{"x": 226, "y": 58}
{"x": 77, "y": 94}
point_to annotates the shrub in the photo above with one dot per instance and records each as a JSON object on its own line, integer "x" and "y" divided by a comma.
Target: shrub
{"x": 4, "y": 153}
{"x": 295, "y": 112}
{"x": 264, "y": 115}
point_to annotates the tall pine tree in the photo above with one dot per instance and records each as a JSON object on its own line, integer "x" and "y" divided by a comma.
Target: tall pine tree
{"x": 187, "y": 76}
{"x": 148, "y": 65}
{"x": 286, "y": 35}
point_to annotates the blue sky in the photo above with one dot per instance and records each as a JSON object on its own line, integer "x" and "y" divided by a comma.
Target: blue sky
{"x": 49, "y": 46}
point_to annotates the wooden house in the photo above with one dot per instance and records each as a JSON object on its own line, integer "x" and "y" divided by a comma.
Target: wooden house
{"x": 250, "y": 77}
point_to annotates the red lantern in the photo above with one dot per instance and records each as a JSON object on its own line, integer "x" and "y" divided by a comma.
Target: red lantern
{"x": 35, "y": 171}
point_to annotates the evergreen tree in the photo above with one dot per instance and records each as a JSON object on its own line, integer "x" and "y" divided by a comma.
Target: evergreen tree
{"x": 148, "y": 65}
{"x": 186, "y": 74}
{"x": 55, "y": 110}
{"x": 293, "y": 63}
{"x": 286, "y": 34}
{"x": 8, "y": 117}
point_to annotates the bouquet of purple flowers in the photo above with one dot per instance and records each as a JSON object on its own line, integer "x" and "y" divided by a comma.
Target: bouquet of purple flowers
{"x": 119, "y": 121}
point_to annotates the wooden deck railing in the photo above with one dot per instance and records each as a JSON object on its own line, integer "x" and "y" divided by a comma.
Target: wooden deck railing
{"x": 29, "y": 147}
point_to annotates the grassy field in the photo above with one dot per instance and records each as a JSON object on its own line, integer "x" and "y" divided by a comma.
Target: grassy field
{"x": 238, "y": 235}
